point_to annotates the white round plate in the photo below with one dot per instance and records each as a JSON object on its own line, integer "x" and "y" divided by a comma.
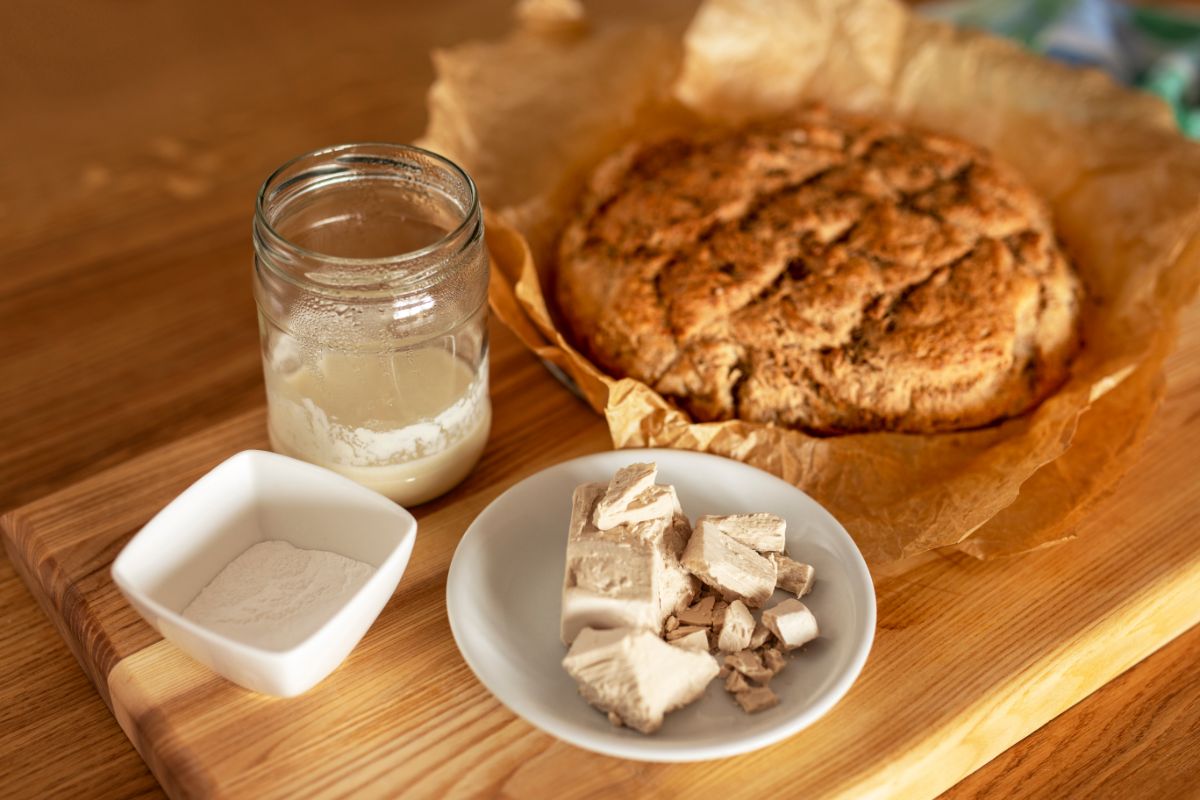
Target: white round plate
{"x": 503, "y": 598}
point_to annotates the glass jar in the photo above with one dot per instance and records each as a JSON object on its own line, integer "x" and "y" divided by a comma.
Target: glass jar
{"x": 371, "y": 283}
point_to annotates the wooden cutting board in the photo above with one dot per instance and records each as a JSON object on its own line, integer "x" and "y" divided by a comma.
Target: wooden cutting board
{"x": 969, "y": 656}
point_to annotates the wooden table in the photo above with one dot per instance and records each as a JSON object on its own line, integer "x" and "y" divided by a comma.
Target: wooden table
{"x": 132, "y": 141}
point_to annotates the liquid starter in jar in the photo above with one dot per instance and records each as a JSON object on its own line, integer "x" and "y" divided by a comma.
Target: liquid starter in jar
{"x": 408, "y": 424}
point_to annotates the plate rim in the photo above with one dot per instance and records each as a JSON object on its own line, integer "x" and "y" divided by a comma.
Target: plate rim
{"x": 635, "y": 749}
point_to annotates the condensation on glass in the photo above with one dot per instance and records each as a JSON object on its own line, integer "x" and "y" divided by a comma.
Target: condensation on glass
{"x": 371, "y": 284}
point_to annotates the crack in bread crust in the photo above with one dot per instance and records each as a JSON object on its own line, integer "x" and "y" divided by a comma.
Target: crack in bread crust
{"x": 829, "y": 273}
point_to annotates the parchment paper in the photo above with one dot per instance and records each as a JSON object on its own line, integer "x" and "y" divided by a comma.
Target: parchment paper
{"x": 530, "y": 115}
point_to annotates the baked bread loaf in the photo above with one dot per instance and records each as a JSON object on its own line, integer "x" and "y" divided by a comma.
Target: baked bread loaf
{"x": 829, "y": 273}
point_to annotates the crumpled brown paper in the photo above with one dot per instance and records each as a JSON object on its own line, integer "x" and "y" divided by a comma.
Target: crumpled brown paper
{"x": 528, "y": 116}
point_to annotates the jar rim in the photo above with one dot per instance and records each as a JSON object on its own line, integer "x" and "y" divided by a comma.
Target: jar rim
{"x": 471, "y": 209}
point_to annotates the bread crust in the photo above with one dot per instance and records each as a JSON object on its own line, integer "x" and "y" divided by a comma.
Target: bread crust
{"x": 830, "y": 273}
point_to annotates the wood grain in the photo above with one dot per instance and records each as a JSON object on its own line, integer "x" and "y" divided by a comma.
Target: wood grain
{"x": 969, "y": 658}
{"x": 1151, "y": 718}
{"x": 134, "y": 136}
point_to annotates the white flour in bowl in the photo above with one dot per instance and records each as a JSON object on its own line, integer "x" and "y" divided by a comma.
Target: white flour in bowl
{"x": 275, "y": 595}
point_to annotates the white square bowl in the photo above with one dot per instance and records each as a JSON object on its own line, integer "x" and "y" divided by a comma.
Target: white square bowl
{"x": 252, "y": 497}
